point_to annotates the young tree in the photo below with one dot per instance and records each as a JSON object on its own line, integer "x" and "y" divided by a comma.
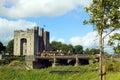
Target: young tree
{"x": 117, "y": 49}
{"x": 105, "y": 15}
{"x": 115, "y": 38}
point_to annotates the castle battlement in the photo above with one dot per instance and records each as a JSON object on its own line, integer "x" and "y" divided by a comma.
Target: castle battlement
{"x": 29, "y": 29}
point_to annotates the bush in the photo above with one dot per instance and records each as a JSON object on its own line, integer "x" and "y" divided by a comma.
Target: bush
{"x": 12, "y": 58}
{"x": 8, "y": 59}
{"x": 3, "y": 61}
{"x": 113, "y": 66}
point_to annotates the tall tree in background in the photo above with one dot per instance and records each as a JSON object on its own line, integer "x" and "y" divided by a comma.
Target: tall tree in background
{"x": 78, "y": 49}
{"x": 2, "y": 47}
{"x": 10, "y": 47}
{"x": 54, "y": 46}
{"x": 105, "y": 15}
{"x": 68, "y": 48}
{"x": 91, "y": 51}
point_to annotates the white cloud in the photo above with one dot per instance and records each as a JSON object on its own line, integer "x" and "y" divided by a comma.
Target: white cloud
{"x": 35, "y": 8}
{"x": 55, "y": 39}
{"x": 61, "y": 40}
{"x": 7, "y": 28}
{"x": 91, "y": 40}
{"x": 52, "y": 39}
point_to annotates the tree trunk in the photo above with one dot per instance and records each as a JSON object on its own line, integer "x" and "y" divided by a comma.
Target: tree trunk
{"x": 101, "y": 52}
{"x": 101, "y": 61}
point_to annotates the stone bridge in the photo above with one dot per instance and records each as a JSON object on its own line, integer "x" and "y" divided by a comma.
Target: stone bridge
{"x": 54, "y": 60}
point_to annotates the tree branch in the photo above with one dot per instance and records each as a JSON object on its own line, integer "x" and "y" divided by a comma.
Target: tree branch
{"x": 109, "y": 33}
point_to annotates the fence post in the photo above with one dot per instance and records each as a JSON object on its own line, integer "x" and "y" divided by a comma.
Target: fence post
{"x": 77, "y": 60}
{"x": 54, "y": 61}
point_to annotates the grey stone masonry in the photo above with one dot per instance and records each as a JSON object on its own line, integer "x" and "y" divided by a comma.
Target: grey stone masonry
{"x": 30, "y": 42}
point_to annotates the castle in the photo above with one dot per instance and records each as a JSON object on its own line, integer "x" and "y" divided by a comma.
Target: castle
{"x": 31, "y": 41}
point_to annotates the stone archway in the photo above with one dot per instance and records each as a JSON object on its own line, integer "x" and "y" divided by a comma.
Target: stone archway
{"x": 23, "y": 45}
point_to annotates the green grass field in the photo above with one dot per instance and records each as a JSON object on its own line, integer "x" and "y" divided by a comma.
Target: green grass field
{"x": 12, "y": 73}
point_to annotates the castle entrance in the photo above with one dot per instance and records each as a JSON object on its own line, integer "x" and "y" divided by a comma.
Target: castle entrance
{"x": 23, "y": 46}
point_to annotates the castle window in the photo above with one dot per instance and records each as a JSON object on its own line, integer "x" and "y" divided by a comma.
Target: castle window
{"x": 25, "y": 51}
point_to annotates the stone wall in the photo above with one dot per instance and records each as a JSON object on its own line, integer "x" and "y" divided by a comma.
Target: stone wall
{"x": 31, "y": 41}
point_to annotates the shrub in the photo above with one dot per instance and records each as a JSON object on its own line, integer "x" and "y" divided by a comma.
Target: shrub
{"x": 113, "y": 66}
{"x": 3, "y": 61}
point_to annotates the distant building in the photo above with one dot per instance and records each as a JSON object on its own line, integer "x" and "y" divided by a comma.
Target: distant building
{"x": 31, "y": 41}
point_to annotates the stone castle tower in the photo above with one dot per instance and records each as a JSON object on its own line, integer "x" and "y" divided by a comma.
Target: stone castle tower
{"x": 31, "y": 41}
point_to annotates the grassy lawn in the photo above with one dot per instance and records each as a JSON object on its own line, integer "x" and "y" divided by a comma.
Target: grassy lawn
{"x": 12, "y": 73}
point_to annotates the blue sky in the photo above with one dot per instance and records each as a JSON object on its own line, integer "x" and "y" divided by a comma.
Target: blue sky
{"x": 62, "y": 18}
{"x": 65, "y": 26}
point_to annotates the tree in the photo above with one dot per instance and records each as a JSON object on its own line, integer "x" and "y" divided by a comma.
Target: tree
{"x": 105, "y": 15}
{"x": 117, "y": 49}
{"x": 71, "y": 48}
{"x": 95, "y": 51}
{"x": 92, "y": 51}
{"x": 111, "y": 42}
{"x": 2, "y": 47}
{"x": 10, "y": 47}
{"x": 54, "y": 46}
{"x": 64, "y": 48}
{"x": 78, "y": 49}
{"x": 87, "y": 51}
